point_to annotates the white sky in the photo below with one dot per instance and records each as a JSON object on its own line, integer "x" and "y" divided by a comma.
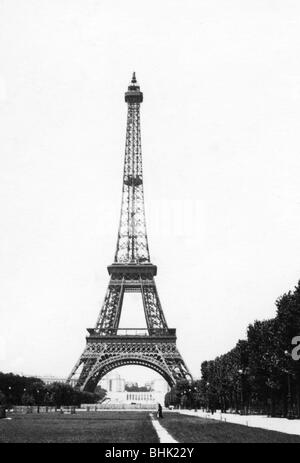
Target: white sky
{"x": 220, "y": 137}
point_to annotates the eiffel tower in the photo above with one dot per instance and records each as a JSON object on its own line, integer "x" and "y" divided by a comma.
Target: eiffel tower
{"x": 109, "y": 346}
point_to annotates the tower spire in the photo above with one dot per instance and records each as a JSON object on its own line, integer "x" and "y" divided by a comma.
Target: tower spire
{"x": 132, "y": 242}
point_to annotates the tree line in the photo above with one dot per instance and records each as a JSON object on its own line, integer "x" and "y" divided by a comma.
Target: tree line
{"x": 22, "y": 390}
{"x": 259, "y": 375}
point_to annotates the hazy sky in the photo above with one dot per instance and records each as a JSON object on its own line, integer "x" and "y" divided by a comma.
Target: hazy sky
{"x": 220, "y": 138}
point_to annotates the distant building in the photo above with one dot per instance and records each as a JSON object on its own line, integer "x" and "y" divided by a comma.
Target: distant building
{"x": 112, "y": 382}
{"x": 116, "y": 390}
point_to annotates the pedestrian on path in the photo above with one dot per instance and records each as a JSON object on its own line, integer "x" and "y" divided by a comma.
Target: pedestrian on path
{"x": 159, "y": 411}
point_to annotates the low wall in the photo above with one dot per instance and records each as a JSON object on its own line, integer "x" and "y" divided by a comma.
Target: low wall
{"x": 24, "y": 409}
{"x": 33, "y": 409}
{"x": 117, "y": 406}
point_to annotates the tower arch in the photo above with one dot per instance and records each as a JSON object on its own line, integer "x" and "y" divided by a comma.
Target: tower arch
{"x": 113, "y": 364}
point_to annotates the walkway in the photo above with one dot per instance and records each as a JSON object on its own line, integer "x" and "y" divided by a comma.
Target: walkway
{"x": 256, "y": 421}
{"x": 163, "y": 435}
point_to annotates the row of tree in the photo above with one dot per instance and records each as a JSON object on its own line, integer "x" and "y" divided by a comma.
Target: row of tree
{"x": 259, "y": 375}
{"x": 136, "y": 388}
{"x": 22, "y": 390}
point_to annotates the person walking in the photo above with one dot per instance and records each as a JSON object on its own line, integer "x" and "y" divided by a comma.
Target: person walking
{"x": 159, "y": 411}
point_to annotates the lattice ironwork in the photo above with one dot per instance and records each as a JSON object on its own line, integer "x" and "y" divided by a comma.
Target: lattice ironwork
{"x": 108, "y": 346}
{"x": 101, "y": 357}
{"x": 132, "y": 243}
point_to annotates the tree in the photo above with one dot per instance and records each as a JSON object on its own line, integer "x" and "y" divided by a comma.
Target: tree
{"x": 3, "y": 399}
{"x": 27, "y": 399}
{"x": 259, "y": 373}
{"x": 14, "y": 386}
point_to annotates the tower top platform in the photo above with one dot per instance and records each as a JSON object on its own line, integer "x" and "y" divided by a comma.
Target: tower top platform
{"x": 133, "y": 95}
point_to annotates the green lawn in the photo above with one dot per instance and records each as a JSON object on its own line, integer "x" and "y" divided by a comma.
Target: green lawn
{"x": 104, "y": 426}
{"x": 128, "y": 427}
{"x": 190, "y": 429}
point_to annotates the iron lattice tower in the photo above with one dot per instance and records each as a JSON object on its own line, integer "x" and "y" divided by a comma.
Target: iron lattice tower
{"x": 108, "y": 346}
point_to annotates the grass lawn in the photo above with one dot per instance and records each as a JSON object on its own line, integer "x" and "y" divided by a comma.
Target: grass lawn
{"x": 128, "y": 427}
{"x": 190, "y": 429}
{"x": 104, "y": 426}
